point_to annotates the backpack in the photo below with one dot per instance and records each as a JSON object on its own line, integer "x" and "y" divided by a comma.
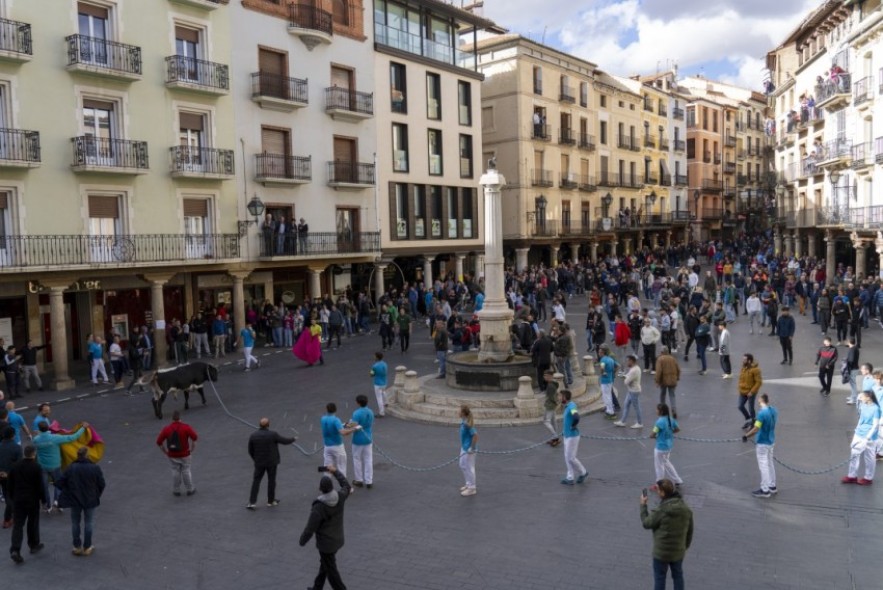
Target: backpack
{"x": 173, "y": 442}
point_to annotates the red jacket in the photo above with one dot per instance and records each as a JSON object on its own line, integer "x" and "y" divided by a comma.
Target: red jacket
{"x": 185, "y": 435}
{"x": 622, "y": 334}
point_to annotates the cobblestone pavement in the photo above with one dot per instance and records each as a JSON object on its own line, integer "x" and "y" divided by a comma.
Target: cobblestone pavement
{"x": 523, "y": 530}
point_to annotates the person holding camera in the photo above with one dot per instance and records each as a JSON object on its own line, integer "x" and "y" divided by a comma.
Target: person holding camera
{"x": 672, "y": 526}
{"x": 326, "y": 523}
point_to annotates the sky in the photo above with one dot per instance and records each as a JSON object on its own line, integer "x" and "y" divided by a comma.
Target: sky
{"x": 725, "y": 40}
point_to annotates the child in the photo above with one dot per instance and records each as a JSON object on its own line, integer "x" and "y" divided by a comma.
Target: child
{"x": 663, "y": 432}
{"x": 468, "y": 442}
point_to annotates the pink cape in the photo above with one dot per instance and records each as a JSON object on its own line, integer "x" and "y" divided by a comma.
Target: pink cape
{"x": 308, "y": 348}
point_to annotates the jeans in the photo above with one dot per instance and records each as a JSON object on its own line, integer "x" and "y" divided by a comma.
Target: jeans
{"x": 701, "y": 352}
{"x": 841, "y": 331}
{"x": 726, "y": 367}
{"x": 571, "y": 446}
{"x": 672, "y": 399}
{"x": 336, "y": 455}
{"x": 749, "y": 413}
{"x": 259, "y": 472}
{"x": 88, "y": 518}
{"x": 328, "y": 569}
{"x": 200, "y": 341}
{"x": 650, "y": 357}
{"x": 442, "y": 356}
{"x": 590, "y": 345}
{"x": 730, "y": 312}
{"x": 181, "y": 474}
{"x": 55, "y": 474}
{"x": 825, "y": 320}
{"x": 853, "y": 386}
{"x": 753, "y": 317}
{"x": 664, "y": 468}
{"x": 277, "y": 336}
{"x": 660, "y": 571}
{"x": 767, "y": 466}
{"x": 288, "y": 337}
{"x": 363, "y": 463}
{"x": 549, "y": 421}
{"x": 825, "y": 377}
{"x": 632, "y": 398}
{"x": 564, "y": 366}
{"x": 467, "y": 466}
{"x": 117, "y": 367}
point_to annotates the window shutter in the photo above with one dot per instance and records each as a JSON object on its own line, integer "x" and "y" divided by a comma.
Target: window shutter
{"x": 274, "y": 141}
{"x": 4, "y": 200}
{"x": 104, "y": 207}
{"x": 195, "y": 208}
{"x": 89, "y": 103}
{"x": 191, "y": 121}
{"x": 271, "y": 62}
{"x": 92, "y": 10}
{"x": 185, "y": 34}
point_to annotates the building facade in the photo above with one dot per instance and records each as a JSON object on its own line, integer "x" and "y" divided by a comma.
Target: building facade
{"x": 429, "y": 142}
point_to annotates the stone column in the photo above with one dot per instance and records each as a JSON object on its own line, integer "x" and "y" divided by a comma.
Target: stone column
{"x": 798, "y": 246}
{"x": 627, "y": 246}
{"x": 496, "y": 317}
{"x": 687, "y": 234}
{"x": 458, "y": 266}
{"x": 427, "y": 270}
{"x": 574, "y": 251}
{"x": 613, "y": 247}
{"x": 789, "y": 243}
{"x": 526, "y": 402}
{"x": 640, "y": 241}
{"x": 238, "y": 301}
{"x": 861, "y": 258}
{"x": 479, "y": 266}
{"x": 554, "y": 256}
{"x": 521, "y": 258}
{"x": 777, "y": 241}
{"x": 379, "y": 284}
{"x": 158, "y": 308}
{"x": 315, "y": 283}
{"x": 594, "y": 246}
{"x": 811, "y": 243}
{"x": 668, "y": 239}
{"x": 830, "y": 263}
{"x": 59, "y": 338}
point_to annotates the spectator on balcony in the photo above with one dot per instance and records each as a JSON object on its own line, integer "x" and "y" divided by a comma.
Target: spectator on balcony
{"x": 839, "y": 77}
{"x": 537, "y": 124}
{"x": 303, "y": 230}
{"x": 282, "y": 230}
{"x": 811, "y": 107}
{"x": 269, "y": 228}
{"x": 804, "y": 109}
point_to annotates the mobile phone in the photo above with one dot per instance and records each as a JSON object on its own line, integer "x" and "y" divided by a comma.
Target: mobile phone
{"x": 644, "y": 492}
{"x": 323, "y": 469}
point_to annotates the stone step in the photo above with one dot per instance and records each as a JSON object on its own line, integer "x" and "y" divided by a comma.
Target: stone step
{"x": 504, "y": 401}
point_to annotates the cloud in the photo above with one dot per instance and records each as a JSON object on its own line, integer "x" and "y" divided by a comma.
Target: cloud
{"x": 722, "y": 38}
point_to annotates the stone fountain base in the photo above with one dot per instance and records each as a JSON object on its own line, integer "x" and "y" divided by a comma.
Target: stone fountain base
{"x": 464, "y": 371}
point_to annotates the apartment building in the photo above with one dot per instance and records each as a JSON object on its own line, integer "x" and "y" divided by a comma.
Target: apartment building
{"x": 429, "y": 141}
{"x": 305, "y": 123}
{"x": 117, "y": 190}
{"x": 829, "y": 146}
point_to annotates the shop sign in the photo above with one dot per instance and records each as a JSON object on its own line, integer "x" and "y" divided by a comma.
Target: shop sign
{"x": 36, "y": 287}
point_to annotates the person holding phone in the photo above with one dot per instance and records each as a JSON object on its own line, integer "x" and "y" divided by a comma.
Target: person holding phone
{"x": 326, "y": 523}
{"x": 672, "y": 526}
{"x": 663, "y": 432}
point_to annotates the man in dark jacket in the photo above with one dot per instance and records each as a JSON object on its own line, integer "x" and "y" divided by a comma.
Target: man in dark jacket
{"x": 326, "y": 522}
{"x": 785, "y": 327}
{"x": 25, "y": 486}
{"x": 263, "y": 448}
{"x": 826, "y": 361}
{"x": 10, "y": 454}
{"x": 82, "y": 485}
{"x": 541, "y": 353}
{"x": 672, "y": 526}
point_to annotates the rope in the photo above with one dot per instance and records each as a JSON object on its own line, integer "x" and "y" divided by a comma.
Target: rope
{"x": 807, "y": 472}
{"x": 303, "y": 451}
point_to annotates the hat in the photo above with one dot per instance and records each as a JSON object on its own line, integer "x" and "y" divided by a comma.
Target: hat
{"x": 326, "y": 485}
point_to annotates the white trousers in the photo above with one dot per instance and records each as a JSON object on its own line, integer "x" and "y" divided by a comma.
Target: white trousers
{"x": 380, "y": 394}
{"x": 858, "y": 450}
{"x": 571, "y": 446}
{"x": 607, "y": 397}
{"x": 246, "y": 354}
{"x": 467, "y": 466}
{"x": 98, "y": 368}
{"x": 664, "y": 468}
{"x": 363, "y": 463}
{"x": 336, "y": 455}
{"x": 767, "y": 466}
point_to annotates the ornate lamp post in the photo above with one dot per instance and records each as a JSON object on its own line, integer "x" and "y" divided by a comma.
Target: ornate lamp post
{"x": 255, "y": 208}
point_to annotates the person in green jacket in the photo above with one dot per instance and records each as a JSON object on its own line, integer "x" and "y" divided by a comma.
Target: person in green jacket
{"x": 49, "y": 458}
{"x": 672, "y": 526}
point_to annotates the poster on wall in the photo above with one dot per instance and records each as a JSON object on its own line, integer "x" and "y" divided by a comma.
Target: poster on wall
{"x": 6, "y": 330}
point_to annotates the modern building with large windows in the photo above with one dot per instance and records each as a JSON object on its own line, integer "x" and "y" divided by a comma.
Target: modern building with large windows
{"x": 117, "y": 191}
{"x": 429, "y": 144}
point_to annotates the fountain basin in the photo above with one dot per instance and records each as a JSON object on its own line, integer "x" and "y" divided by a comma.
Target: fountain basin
{"x": 465, "y": 371}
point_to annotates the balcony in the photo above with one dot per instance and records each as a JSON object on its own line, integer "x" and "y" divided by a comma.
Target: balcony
{"x": 19, "y": 148}
{"x": 835, "y": 153}
{"x": 648, "y": 105}
{"x": 730, "y": 140}
{"x": 679, "y": 145}
{"x": 586, "y": 142}
{"x": 350, "y": 175}
{"x": 100, "y": 57}
{"x": 717, "y": 159}
{"x": 587, "y": 183}
{"x": 712, "y": 185}
{"x": 607, "y": 180}
{"x": 204, "y": 4}
{"x": 663, "y": 145}
{"x": 878, "y": 150}
{"x": 867, "y": 218}
{"x": 808, "y": 168}
{"x": 543, "y": 228}
{"x": 729, "y": 167}
{"x": 282, "y": 170}
{"x": 541, "y": 178}
{"x": 712, "y": 214}
{"x": 577, "y": 229}
{"x": 342, "y": 243}
{"x": 109, "y": 156}
{"x": 680, "y": 217}
{"x": 650, "y": 141}
{"x": 740, "y": 155}
{"x": 197, "y": 75}
{"x": 706, "y": 157}
{"x": 566, "y": 137}
{"x": 567, "y": 95}
{"x": 541, "y": 132}
{"x": 631, "y": 181}
{"x": 666, "y": 179}
{"x": 568, "y": 181}
{"x": 655, "y": 220}
{"x": 862, "y": 155}
{"x": 652, "y": 179}
{"x": 420, "y": 45}
{"x": 834, "y": 94}
{"x": 741, "y": 180}
{"x": 627, "y": 142}
{"x": 862, "y": 91}
{"x": 15, "y": 41}
{"x": 729, "y": 192}
{"x": 205, "y": 163}
{"x": 680, "y": 179}
{"x": 278, "y": 93}
{"x": 662, "y": 110}
{"x": 678, "y": 113}
{"x": 312, "y": 25}
{"x": 348, "y": 105}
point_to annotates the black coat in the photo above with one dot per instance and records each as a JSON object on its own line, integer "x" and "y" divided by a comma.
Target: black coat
{"x": 82, "y": 484}
{"x": 10, "y": 454}
{"x": 326, "y": 522}
{"x": 25, "y": 483}
{"x": 263, "y": 447}
{"x": 542, "y": 351}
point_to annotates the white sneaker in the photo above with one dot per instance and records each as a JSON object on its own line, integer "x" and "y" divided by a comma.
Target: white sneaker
{"x": 850, "y": 402}
{"x": 469, "y": 492}
{"x": 463, "y": 488}
{"x": 637, "y": 425}
{"x": 619, "y": 423}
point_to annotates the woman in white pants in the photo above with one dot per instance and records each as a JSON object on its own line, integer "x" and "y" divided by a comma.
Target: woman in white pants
{"x": 468, "y": 442}
{"x": 663, "y": 432}
{"x": 864, "y": 441}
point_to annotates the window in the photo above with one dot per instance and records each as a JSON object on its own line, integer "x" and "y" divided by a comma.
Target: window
{"x": 451, "y": 198}
{"x": 464, "y": 99}
{"x": 419, "y": 211}
{"x": 565, "y": 215}
{"x": 187, "y": 51}
{"x": 104, "y": 226}
{"x": 433, "y": 96}
{"x": 191, "y": 138}
{"x": 583, "y": 94}
{"x": 273, "y": 66}
{"x": 401, "y": 211}
{"x": 468, "y": 213}
{"x": 399, "y": 147}
{"x": 7, "y": 230}
{"x": 398, "y": 88}
{"x": 537, "y": 80}
{"x": 435, "y": 205}
{"x": 197, "y": 227}
{"x": 603, "y": 102}
{"x": 92, "y": 21}
{"x": 100, "y": 130}
{"x": 465, "y": 156}
{"x": 603, "y": 133}
{"x": 435, "y": 152}
{"x": 340, "y": 12}
{"x": 691, "y": 148}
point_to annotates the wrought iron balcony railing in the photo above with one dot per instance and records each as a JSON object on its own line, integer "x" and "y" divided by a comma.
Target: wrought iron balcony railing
{"x": 103, "y": 153}
{"x": 196, "y": 161}
{"x": 197, "y": 72}
{"x": 279, "y": 87}
{"x": 282, "y": 167}
{"x": 351, "y": 173}
{"x": 541, "y": 178}
{"x": 18, "y": 145}
{"x": 103, "y": 55}
{"x": 305, "y": 16}
{"x": 349, "y": 100}
{"x": 319, "y": 244}
{"x": 15, "y": 37}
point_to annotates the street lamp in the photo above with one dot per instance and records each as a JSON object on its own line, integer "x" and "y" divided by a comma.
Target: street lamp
{"x": 606, "y": 200}
{"x": 255, "y": 208}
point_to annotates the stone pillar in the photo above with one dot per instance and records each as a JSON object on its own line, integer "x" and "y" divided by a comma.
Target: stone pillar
{"x": 830, "y": 263}
{"x": 496, "y": 317}
{"x": 315, "y": 283}
{"x": 238, "y": 301}
{"x": 594, "y": 246}
{"x": 411, "y": 395}
{"x": 687, "y": 234}
{"x": 379, "y": 284}
{"x": 526, "y": 402}
{"x": 588, "y": 366}
{"x": 59, "y": 338}
{"x": 668, "y": 239}
{"x": 574, "y": 251}
{"x": 861, "y": 258}
{"x": 613, "y": 247}
{"x": 458, "y": 266}
{"x": 427, "y": 270}
{"x": 789, "y": 243}
{"x": 554, "y": 256}
{"x": 777, "y": 241}
{"x": 158, "y": 308}
{"x": 811, "y": 243}
{"x": 640, "y": 241}
{"x": 521, "y": 258}
{"x": 479, "y": 266}
{"x": 798, "y": 246}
